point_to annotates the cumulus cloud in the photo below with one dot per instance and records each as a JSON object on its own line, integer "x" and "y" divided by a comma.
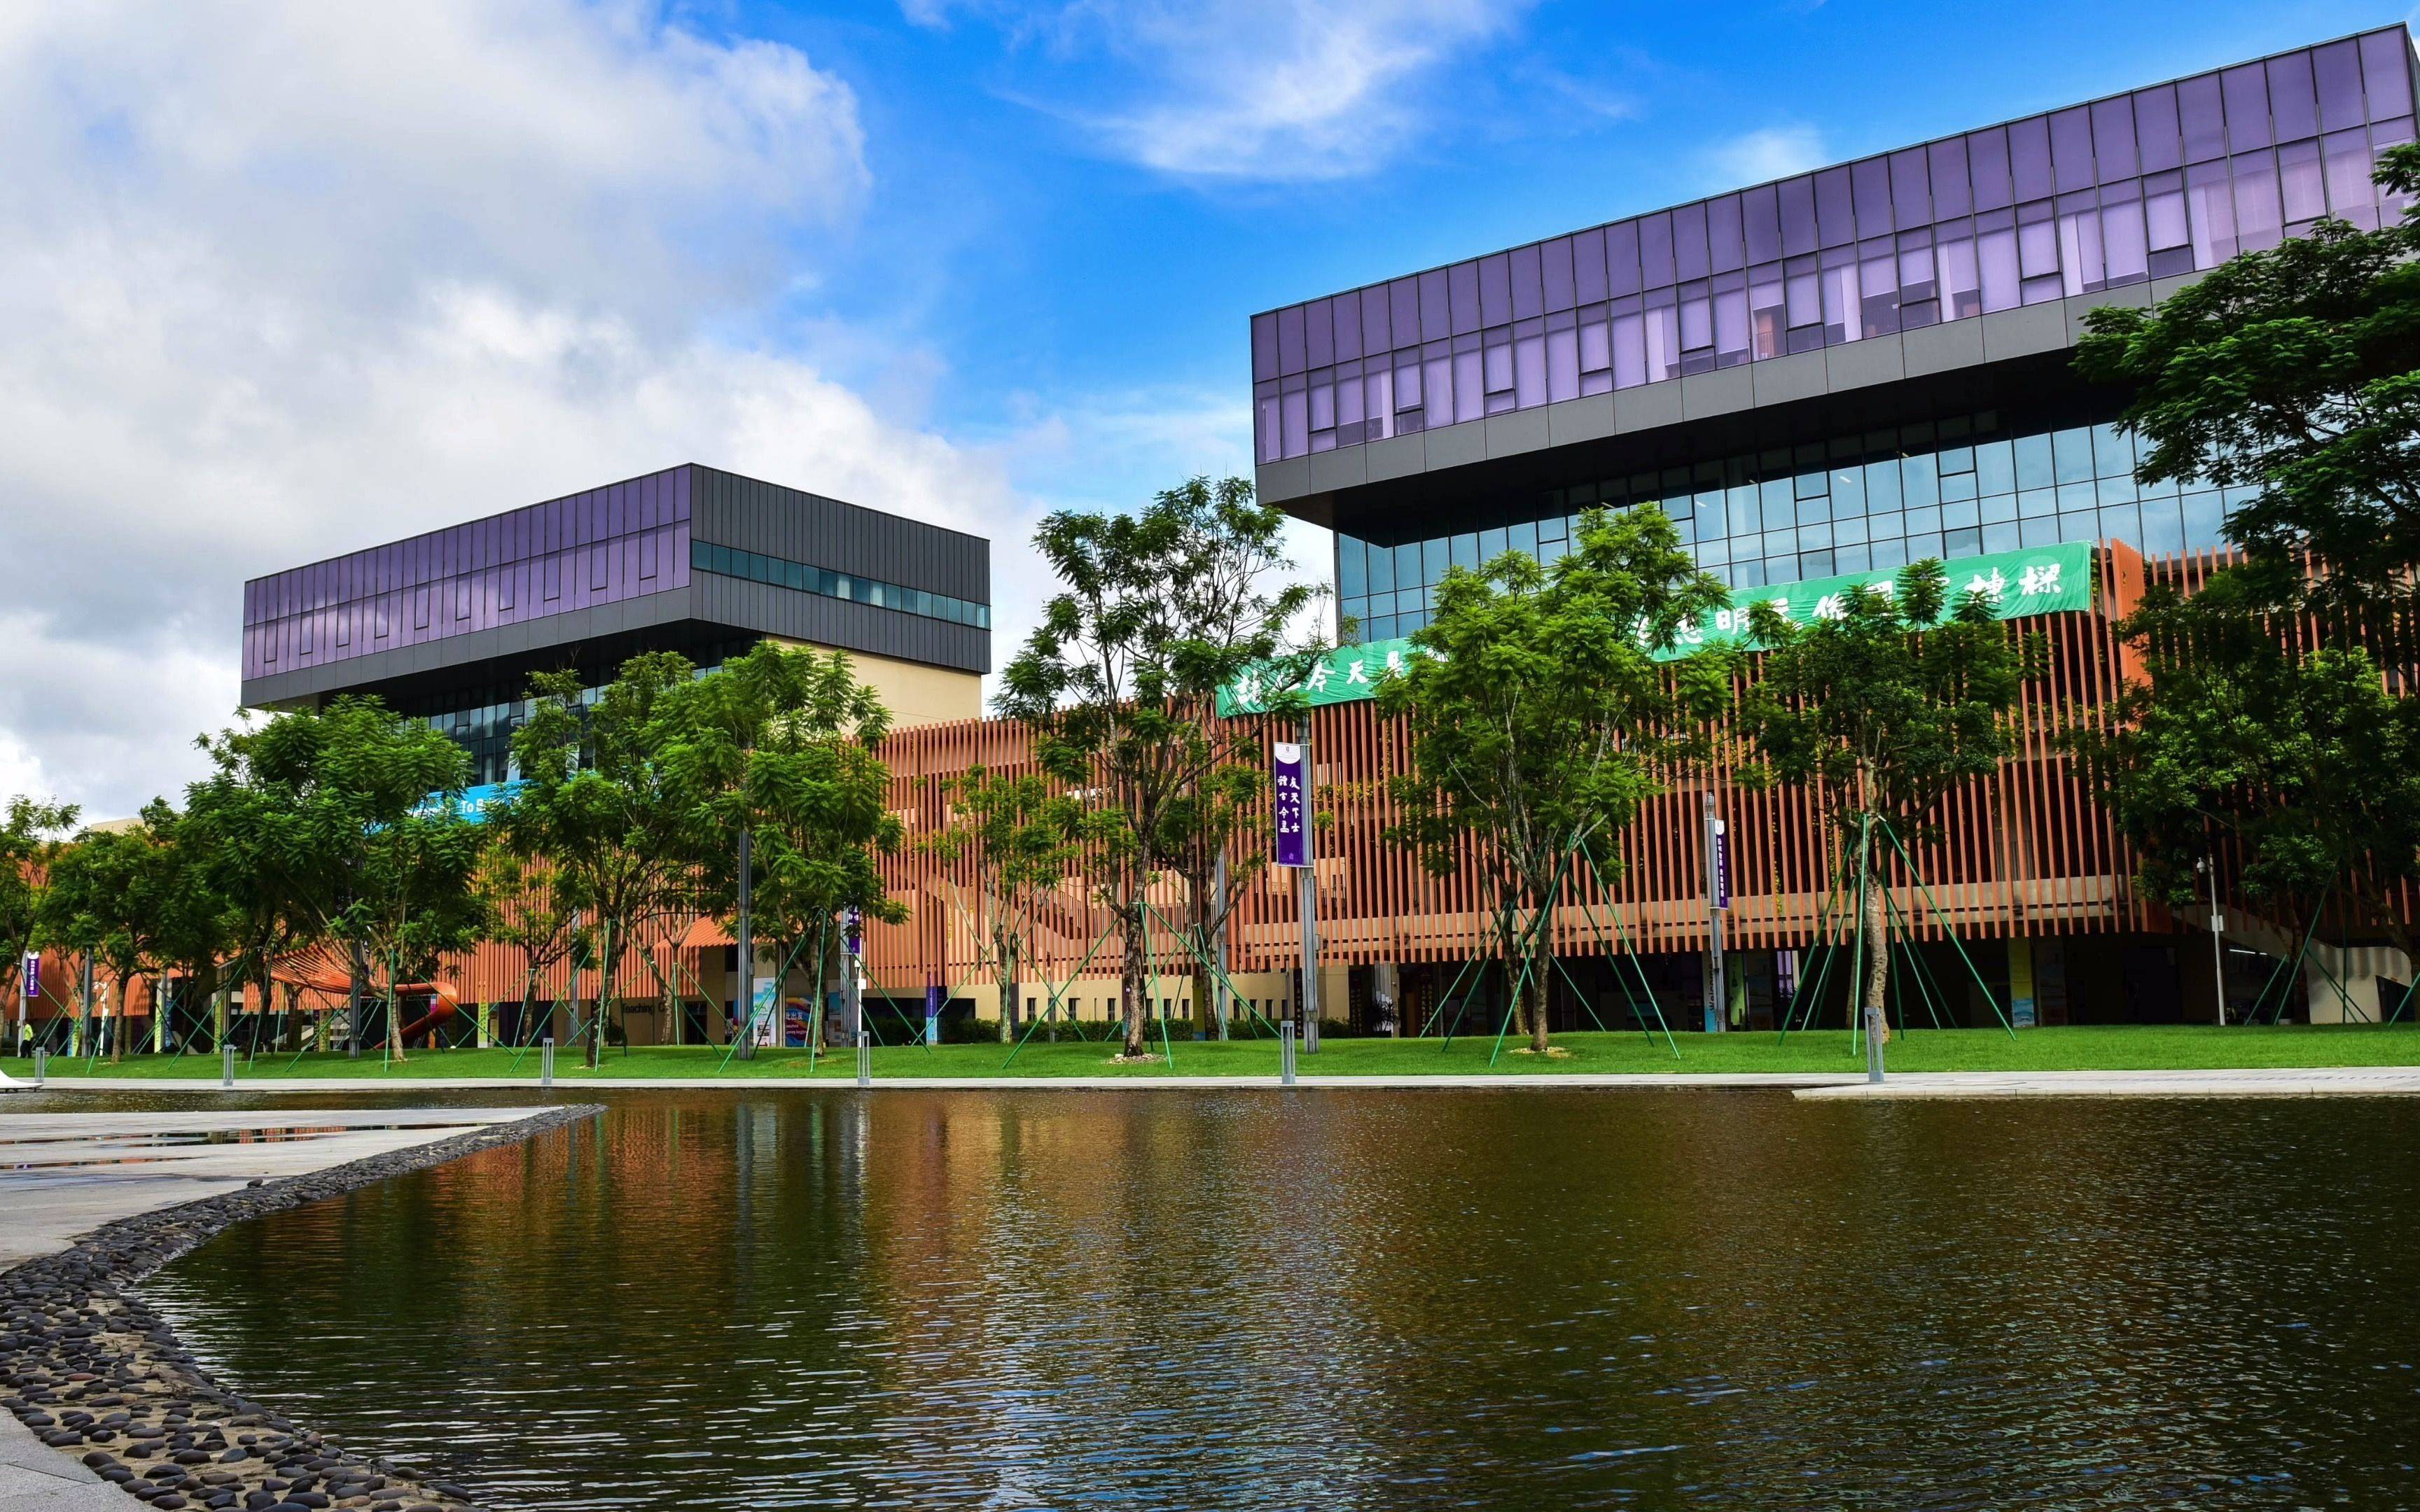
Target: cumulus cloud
{"x": 1254, "y": 89}
{"x": 1773, "y": 152}
{"x": 283, "y": 279}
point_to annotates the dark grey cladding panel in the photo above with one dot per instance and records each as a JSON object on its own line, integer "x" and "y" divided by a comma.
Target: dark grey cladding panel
{"x": 833, "y": 622}
{"x": 729, "y": 510}
{"x": 568, "y": 629}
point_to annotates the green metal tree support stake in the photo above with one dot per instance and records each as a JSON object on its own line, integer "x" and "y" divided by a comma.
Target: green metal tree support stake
{"x": 1050, "y": 1007}
{"x": 1930, "y": 902}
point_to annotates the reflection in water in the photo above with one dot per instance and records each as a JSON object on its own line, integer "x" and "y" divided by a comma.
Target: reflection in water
{"x": 1362, "y": 1298}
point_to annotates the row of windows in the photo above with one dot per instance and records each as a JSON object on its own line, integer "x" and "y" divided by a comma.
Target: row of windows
{"x": 1875, "y": 501}
{"x": 757, "y": 567}
{"x": 2165, "y": 181}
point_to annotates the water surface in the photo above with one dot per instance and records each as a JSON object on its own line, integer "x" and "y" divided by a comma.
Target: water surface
{"x": 1364, "y": 1299}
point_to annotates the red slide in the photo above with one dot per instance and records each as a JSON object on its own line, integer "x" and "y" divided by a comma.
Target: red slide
{"x": 442, "y": 1007}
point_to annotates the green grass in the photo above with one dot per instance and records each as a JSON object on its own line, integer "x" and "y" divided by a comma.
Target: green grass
{"x": 2117, "y": 1047}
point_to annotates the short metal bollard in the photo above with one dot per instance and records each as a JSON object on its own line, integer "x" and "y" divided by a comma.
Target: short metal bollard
{"x": 864, "y": 1059}
{"x": 546, "y": 1063}
{"x": 41, "y": 1067}
{"x": 226, "y": 1066}
{"x": 1285, "y": 1053}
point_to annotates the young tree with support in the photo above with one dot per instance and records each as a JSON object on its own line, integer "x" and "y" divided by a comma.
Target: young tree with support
{"x": 127, "y": 897}
{"x": 1541, "y": 717}
{"x": 30, "y": 836}
{"x": 2275, "y": 719}
{"x": 1011, "y": 830}
{"x": 596, "y": 803}
{"x": 1157, "y": 611}
{"x": 527, "y": 913}
{"x": 1884, "y": 703}
{"x": 785, "y": 745}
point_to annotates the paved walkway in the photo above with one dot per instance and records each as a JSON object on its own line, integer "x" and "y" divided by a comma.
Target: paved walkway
{"x": 35, "y": 1478}
{"x": 64, "y": 1174}
{"x": 2340, "y": 1081}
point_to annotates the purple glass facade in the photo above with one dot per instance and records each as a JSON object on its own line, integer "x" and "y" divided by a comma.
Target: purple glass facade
{"x": 618, "y": 542}
{"x": 2164, "y": 180}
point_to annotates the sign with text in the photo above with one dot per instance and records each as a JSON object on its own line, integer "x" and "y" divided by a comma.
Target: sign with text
{"x": 1292, "y": 776}
{"x": 32, "y": 973}
{"x": 2046, "y": 579}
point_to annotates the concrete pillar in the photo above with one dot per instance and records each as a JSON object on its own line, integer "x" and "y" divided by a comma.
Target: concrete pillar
{"x": 2025, "y": 1009}
{"x": 2343, "y": 984}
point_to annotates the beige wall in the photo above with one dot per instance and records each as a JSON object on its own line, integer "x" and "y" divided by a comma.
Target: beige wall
{"x": 914, "y": 693}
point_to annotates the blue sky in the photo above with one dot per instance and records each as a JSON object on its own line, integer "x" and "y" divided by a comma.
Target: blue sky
{"x": 1070, "y": 217}
{"x": 282, "y": 278}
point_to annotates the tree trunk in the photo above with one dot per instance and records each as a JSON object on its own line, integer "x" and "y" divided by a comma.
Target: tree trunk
{"x": 1204, "y": 1000}
{"x": 1131, "y": 987}
{"x": 1539, "y": 1027}
{"x": 604, "y": 990}
{"x": 1877, "y": 954}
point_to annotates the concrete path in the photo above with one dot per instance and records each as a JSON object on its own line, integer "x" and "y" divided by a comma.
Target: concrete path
{"x": 35, "y": 1478}
{"x": 2342, "y": 1081}
{"x": 64, "y": 1174}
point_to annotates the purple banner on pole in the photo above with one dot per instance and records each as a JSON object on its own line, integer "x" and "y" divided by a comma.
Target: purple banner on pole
{"x": 1722, "y": 866}
{"x": 1293, "y": 839}
{"x": 33, "y": 973}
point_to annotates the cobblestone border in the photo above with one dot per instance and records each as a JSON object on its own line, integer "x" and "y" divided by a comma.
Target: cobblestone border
{"x": 89, "y": 1367}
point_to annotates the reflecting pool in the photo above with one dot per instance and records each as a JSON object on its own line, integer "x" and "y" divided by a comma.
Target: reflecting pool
{"x": 1364, "y": 1299}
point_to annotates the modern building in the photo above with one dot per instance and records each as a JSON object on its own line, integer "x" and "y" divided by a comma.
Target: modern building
{"x": 1848, "y": 369}
{"x": 449, "y": 625}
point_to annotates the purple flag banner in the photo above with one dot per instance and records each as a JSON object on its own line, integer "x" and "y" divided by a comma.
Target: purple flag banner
{"x": 1293, "y": 838}
{"x": 1722, "y": 865}
{"x": 33, "y": 973}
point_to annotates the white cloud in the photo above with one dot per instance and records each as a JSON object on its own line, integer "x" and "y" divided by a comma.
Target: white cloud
{"x": 1254, "y": 89}
{"x": 280, "y": 280}
{"x": 1773, "y": 152}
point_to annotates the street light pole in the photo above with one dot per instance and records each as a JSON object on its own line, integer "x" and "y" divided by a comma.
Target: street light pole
{"x": 1310, "y": 885}
{"x": 1718, "y": 898}
{"x": 2217, "y": 938}
{"x": 743, "y": 1009}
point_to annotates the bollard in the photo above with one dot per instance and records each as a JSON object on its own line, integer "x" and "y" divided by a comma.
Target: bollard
{"x": 226, "y": 1067}
{"x": 41, "y": 1067}
{"x": 546, "y": 1061}
{"x": 1285, "y": 1053}
{"x": 864, "y": 1059}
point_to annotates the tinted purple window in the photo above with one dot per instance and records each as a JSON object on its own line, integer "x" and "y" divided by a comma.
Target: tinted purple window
{"x": 1265, "y": 348}
{"x": 1404, "y": 312}
{"x": 2203, "y": 118}
{"x": 1870, "y": 182}
{"x": 1528, "y": 291}
{"x": 1761, "y": 219}
{"x": 2113, "y": 138}
{"x": 1462, "y": 293}
{"x": 2070, "y": 149}
{"x": 1555, "y": 273}
{"x": 2157, "y": 135}
{"x": 1987, "y": 157}
{"x": 2029, "y": 159}
{"x": 1346, "y": 313}
{"x": 1655, "y": 251}
{"x": 1374, "y": 338}
{"x": 2246, "y": 93}
{"x": 2338, "y": 69}
{"x": 1290, "y": 345}
{"x": 1437, "y": 317}
{"x": 1689, "y": 241}
{"x": 1587, "y": 266}
{"x": 1835, "y": 214}
{"x": 1495, "y": 291}
{"x": 1318, "y": 333}
{"x": 1726, "y": 249}
{"x": 2293, "y": 107}
{"x": 1953, "y": 194}
{"x": 1621, "y": 258}
{"x": 2386, "y": 69}
{"x": 1798, "y": 217}
{"x": 1911, "y": 196}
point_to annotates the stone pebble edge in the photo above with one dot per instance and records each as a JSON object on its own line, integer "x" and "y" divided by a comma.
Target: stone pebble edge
{"x": 120, "y": 1253}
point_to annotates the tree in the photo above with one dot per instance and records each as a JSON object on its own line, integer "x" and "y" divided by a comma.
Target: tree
{"x": 1541, "y": 716}
{"x": 30, "y": 837}
{"x": 1013, "y": 832}
{"x": 2293, "y": 373}
{"x": 596, "y": 803}
{"x": 1156, "y": 611}
{"x": 137, "y": 901}
{"x": 527, "y": 913}
{"x": 342, "y": 826}
{"x": 1885, "y": 709}
{"x": 2273, "y": 714}
{"x": 785, "y": 745}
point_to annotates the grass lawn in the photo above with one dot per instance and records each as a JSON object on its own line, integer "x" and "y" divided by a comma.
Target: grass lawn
{"x": 2117, "y": 1047}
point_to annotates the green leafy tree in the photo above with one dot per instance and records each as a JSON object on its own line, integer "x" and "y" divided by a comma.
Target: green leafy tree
{"x": 30, "y": 836}
{"x": 596, "y": 803}
{"x": 785, "y": 744}
{"x": 1540, "y": 717}
{"x": 140, "y": 903}
{"x": 1012, "y": 830}
{"x": 527, "y": 913}
{"x": 2275, "y": 711}
{"x": 1157, "y": 611}
{"x": 1884, "y": 709}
